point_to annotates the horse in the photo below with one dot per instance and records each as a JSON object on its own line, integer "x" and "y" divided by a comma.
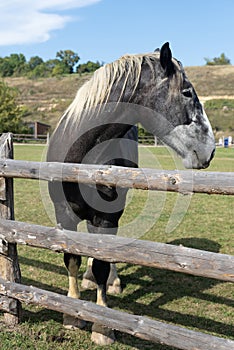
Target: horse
{"x": 99, "y": 128}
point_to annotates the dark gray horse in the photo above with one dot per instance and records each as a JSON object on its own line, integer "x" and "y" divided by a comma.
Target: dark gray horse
{"x": 98, "y": 127}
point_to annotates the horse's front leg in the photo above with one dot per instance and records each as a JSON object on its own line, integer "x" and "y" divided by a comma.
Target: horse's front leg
{"x": 101, "y": 335}
{"x": 68, "y": 220}
{"x": 72, "y": 263}
{"x": 100, "y": 270}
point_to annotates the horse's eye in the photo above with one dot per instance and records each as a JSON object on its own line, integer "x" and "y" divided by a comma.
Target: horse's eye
{"x": 187, "y": 93}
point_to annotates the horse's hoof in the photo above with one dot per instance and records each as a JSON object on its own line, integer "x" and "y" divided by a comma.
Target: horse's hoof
{"x": 73, "y": 323}
{"x": 102, "y": 335}
{"x": 87, "y": 284}
{"x": 114, "y": 289}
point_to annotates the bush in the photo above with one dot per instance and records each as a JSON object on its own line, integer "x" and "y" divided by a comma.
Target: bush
{"x": 218, "y": 61}
{"x": 10, "y": 113}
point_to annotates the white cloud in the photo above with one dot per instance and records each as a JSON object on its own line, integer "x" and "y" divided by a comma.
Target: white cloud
{"x": 31, "y": 21}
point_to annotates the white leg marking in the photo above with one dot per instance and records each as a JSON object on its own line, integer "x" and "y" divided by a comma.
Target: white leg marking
{"x": 101, "y": 296}
{"x": 70, "y": 322}
{"x": 73, "y": 291}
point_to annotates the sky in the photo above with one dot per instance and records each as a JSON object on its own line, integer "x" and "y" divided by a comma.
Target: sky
{"x": 104, "y": 30}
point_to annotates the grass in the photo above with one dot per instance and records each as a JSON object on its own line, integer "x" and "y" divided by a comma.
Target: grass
{"x": 197, "y": 303}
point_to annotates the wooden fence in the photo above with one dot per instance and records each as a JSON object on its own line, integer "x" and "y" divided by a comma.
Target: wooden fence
{"x": 31, "y": 138}
{"x": 37, "y": 138}
{"x": 164, "y": 256}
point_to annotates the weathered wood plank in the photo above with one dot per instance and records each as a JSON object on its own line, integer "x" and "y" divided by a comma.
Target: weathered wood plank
{"x": 139, "y": 326}
{"x": 9, "y": 266}
{"x": 8, "y": 305}
{"x": 147, "y": 179}
{"x": 120, "y": 249}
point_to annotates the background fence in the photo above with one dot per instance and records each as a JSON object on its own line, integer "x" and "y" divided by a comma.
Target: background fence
{"x": 164, "y": 256}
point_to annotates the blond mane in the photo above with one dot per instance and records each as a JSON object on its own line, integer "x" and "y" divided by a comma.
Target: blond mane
{"x": 96, "y": 91}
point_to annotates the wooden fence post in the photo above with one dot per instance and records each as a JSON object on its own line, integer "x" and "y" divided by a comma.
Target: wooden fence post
{"x": 9, "y": 266}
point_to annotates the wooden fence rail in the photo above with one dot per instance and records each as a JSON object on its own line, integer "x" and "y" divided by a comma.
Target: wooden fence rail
{"x": 146, "y": 179}
{"x": 107, "y": 247}
{"x": 30, "y": 138}
{"x": 120, "y": 249}
{"x": 139, "y": 326}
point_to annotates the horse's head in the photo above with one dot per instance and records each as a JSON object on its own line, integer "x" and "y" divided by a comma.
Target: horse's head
{"x": 183, "y": 123}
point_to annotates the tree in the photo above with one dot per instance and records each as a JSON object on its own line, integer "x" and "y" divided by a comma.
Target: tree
{"x": 68, "y": 58}
{"x": 40, "y": 71}
{"x": 15, "y": 64}
{"x": 50, "y": 64}
{"x": 6, "y": 68}
{"x": 88, "y": 67}
{"x": 217, "y": 61}
{"x": 60, "y": 69}
{"x": 18, "y": 62}
{"x": 34, "y": 62}
{"x": 10, "y": 113}
{"x": 36, "y": 67}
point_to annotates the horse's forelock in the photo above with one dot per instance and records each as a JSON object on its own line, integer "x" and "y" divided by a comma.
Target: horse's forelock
{"x": 176, "y": 82}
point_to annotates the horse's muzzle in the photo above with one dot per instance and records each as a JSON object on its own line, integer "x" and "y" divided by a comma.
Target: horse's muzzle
{"x": 197, "y": 160}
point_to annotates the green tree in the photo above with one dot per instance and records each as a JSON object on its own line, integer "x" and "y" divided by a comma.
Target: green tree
{"x": 15, "y": 64}
{"x": 50, "y": 64}
{"x": 68, "y": 58}
{"x": 6, "y": 68}
{"x": 34, "y": 62}
{"x": 38, "y": 72}
{"x": 18, "y": 63}
{"x": 217, "y": 61}
{"x": 10, "y": 113}
{"x": 60, "y": 69}
{"x": 88, "y": 67}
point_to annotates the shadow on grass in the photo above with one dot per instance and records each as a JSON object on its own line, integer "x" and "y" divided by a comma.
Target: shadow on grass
{"x": 198, "y": 243}
{"x": 150, "y": 294}
{"x": 172, "y": 286}
{"x": 41, "y": 285}
{"x": 42, "y": 265}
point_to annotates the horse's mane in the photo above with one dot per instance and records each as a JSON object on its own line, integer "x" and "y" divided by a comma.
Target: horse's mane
{"x": 96, "y": 91}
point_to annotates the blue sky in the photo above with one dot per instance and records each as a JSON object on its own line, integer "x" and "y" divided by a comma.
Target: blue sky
{"x": 104, "y": 30}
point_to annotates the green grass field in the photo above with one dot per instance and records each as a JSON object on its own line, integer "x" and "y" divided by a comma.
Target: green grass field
{"x": 198, "y": 221}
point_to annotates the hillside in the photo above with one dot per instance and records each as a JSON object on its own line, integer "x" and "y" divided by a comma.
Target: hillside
{"x": 47, "y": 98}
{"x": 212, "y": 81}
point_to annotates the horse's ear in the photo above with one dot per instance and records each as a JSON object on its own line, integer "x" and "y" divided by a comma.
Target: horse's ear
{"x": 166, "y": 59}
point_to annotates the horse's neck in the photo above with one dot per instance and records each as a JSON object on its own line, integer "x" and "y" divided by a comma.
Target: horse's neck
{"x": 87, "y": 145}
{"x": 73, "y": 138}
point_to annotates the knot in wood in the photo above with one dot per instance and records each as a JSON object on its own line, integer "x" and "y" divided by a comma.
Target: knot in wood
{"x": 183, "y": 265}
{"x": 33, "y": 171}
{"x": 172, "y": 180}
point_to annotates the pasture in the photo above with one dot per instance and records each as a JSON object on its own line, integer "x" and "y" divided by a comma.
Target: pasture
{"x": 194, "y": 302}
